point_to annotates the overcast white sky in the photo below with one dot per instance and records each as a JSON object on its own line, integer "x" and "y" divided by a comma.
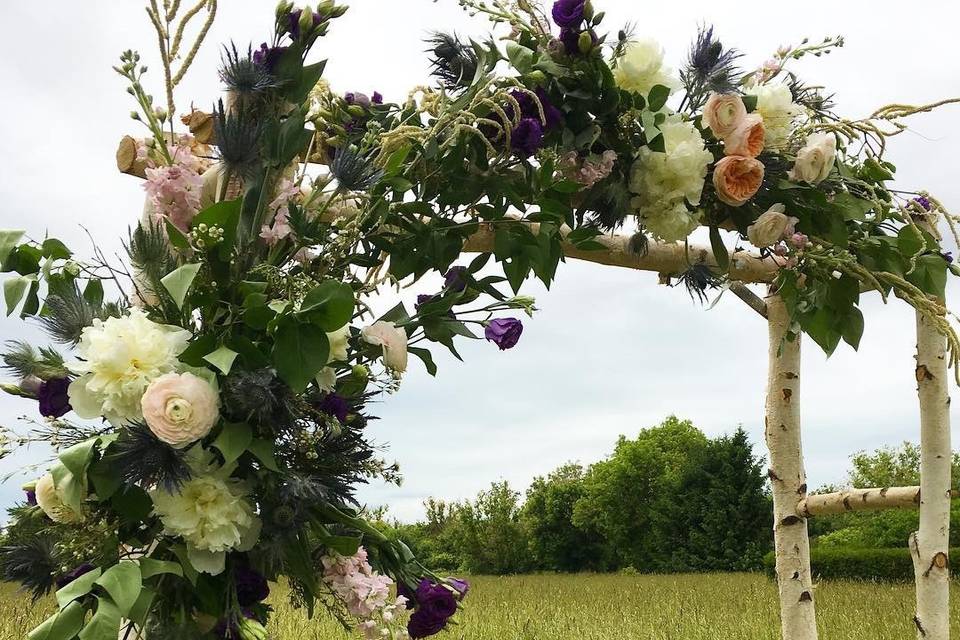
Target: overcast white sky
{"x": 611, "y": 351}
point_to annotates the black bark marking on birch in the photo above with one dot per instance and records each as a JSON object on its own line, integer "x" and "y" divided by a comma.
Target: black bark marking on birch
{"x": 789, "y": 375}
{"x": 883, "y": 493}
{"x": 923, "y": 373}
{"x": 795, "y": 576}
{"x": 787, "y": 394}
{"x": 791, "y": 520}
{"x": 846, "y": 503}
{"x": 916, "y": 621}
{"x": 773, "y": 476}
{"x": 806, "y": 597}
{"x": 802, "y": 489}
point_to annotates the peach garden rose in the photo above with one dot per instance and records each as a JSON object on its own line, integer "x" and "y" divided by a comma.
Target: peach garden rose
{"x": 180, "y": 408}
{"x": 747, "y": 138}
{"x": 737, "y": 179}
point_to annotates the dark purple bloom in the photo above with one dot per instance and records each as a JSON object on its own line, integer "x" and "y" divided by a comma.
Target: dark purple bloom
{"x": 53, "y": 397}
{"x": 553, "y": 118}
{"x": 568, "y": 13}
{"x": 504, "y": 332}
{"x": 355, "y": 97}
{"x": 571, "y": 40}
{"x": 267, "y": 57}
{"x": 67, "y": 578}
{"x": 251, "y": 586}
{"x": 377, "y": 97}
{"x": 293, "y": 24}
{"x": 924, "y": 202}
{"x": 461, "y": 586}
{"x": 229, "y": 630}
{"x": 527, "y": 137}
{"x": 436, "y": 604}
{"x": 948, "y": 256}
{"x": 455, "y": 279}
{"x": 31, "y": 497}
{"x": 334, "y": 405}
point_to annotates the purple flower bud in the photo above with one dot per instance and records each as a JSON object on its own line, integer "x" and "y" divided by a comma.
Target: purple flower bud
{"x": 53, "y": 397}
{"x": 924, "y": 202}
{"x": 568, "y": 13}
{"x": 267, "y": 57}
{"x": 948, "y": 256}
{"x": 461, "y": 586}
{"x": 334, "y": 405}
{"x": 32, "y": 498}
{"x": 251, "y": 586}
{"x": 377, "y": 98}
{"x": 355, "y": 97}
{"x": 455, "y": 279}
{"x": 67, "y": 578}
{"x": 504, "y": 332}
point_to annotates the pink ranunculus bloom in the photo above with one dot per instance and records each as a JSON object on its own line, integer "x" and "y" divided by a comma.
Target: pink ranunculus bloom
{"x": 180, "y": 408}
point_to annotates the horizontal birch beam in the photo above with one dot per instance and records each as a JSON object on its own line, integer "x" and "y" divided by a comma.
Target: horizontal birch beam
{"x": 862, "y": 500}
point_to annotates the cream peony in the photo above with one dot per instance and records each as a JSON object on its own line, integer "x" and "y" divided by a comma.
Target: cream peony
{"x": 747, "y": 139}
{"x": 51, "y": 502}
{"x": 338, "y": 344}
{"x": 775, "y": 105}
{"x": 641, "y": 68}
{"x": 815, "y": 160}
{"x": 213, "y": 517}
{"x": 393, "y": 339}
{"x": 663, "y": 181}
{"x": 180, "y": 408}
{"x": 121, "y": 356}
{"x": 723, "y": 113}
{"x": 771, "y": 227}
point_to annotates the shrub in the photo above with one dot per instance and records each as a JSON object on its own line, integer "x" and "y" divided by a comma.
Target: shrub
{"x": 844, "y": 563}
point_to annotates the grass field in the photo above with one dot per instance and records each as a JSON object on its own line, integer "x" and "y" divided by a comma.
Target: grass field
{"x": 612, "y": 607}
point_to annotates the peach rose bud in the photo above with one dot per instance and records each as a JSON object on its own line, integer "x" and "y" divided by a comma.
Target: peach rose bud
{"x": 723, "y": 113}
{"x": 746, "y": 139}
{"x": 737, "y": 179}
{"x": 180, "y": 408}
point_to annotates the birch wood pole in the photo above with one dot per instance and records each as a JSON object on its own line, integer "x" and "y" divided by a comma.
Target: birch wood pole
{"x": 930, "y": 545}
{"x": 788, "y": 478}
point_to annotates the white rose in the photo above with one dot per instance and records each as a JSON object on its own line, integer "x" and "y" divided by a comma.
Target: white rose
{"x": 338, "y": 344}
{"x": 51, "y": 502}
{"x": 641, "y": 68}
{"x": 393, "y": 339}
{"x": 771, "y": 227}
{"x": 815, "y": 160}
{"x": 775, "y": 105}
{"x": 180, "y": 408}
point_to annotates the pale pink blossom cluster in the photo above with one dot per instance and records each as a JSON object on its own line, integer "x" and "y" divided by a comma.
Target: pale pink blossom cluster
{"x": 279, "y": 228}
{"x": 366, "y": 595}
{"x": 174, "y": 191}
{"x": 588, "y": 172}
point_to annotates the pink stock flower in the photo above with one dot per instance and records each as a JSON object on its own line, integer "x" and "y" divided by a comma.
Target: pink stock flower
{"x": 588, "y": 172}
{"x": 365, "y": 593}
{"x": 174, "y": 193}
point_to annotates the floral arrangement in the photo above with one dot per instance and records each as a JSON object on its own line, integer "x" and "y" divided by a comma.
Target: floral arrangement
{"x": 210, "y": 421}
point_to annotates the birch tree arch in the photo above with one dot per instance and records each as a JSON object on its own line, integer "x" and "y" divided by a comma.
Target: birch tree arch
{"x": 209, "y": 422}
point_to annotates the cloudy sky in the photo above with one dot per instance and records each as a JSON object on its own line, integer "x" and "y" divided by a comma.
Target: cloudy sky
{"x": 610, "y": 352}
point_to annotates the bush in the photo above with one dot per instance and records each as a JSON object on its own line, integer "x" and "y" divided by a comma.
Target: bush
{"x": 843, "y": 563}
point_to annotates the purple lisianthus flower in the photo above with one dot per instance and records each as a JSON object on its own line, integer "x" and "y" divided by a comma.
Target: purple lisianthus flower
{"x": 553, "y": 118}
{"x": 334, "y": 405}
{"x": 31, "y": 497}
{"x": 67, "y": 578}
{"x": 571, "y": 40}
{"x": 948, "y": 256}
{"x": 267, "y": 57}
{"x": 504, "y": 332}
{"x": 436, "y": 604}
{"x": 527, "y": 137}
{"x": 251, "y": 586}
{"x": 293, "y": 24}
{"x": 53, "y": 397}
{"x": 568, "y": 13}
{"x": 355, "y": 97}
{"x": 377, "y": 98}
{"x": 460, "y": 586}
{"x": 455, "y": 279}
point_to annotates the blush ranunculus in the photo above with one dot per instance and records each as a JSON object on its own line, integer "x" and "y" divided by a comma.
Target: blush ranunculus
{"x": 180, "y": 408}
{"x": 737, "y": 179}
{"x": 723, "y": 113}
{"x": 747, "y": 138}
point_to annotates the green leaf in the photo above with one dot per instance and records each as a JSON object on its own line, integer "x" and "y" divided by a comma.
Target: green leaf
{"x": 189, "y": 572}
{"x": 14, "y": 288}
{"x": 123, "y": 582}
{"x": 63, "y": 625}
{"x": 77, "y": 588}
{"x": 225, "y": 215}
{"x": 300, "y": 351}
{"x": 719, "y": 249}
{"x": 520, "y": 57}
{"x": 329, "y": 305}
{"x": 178, "y": 282}
{"x": 852, "y": 328}
{"x": 344, "y": 545}
{"x": 8, "y": 240}
{"x": 750, "y": 102}
{"x": 54, "y": 249}
{"x": 176, "y": 237}
{"x": 77, "y": 458}
{"x": 233, "y": 440}
{"x": 262, "y": 450}
{"x": 222, "y": 359}
{"x": 150, "y": 567}
{"x": 93, "y": 293}
{"x": 658, "y": 97}
{"x": 426, "y": 357}
{"x": 910, "y": 241}
{"x": 141, "y": 608}
{"x": 309, "y": 78}
{"x": 105, "y": 623}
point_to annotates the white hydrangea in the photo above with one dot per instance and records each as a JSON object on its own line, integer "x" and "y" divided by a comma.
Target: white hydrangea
{"x": 776, "y": 106}
{"x": 641, "y": 68}
{"x": 665, "y": 181}
{"x": 120, "y": 357}
{"x": 213, "y": 517}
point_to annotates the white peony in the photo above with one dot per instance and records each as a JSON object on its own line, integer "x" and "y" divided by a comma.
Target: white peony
{"x": 393, "y": 339}
{"x": 641, "y": 68}
{"x": 338, "y": 344}
{"x": 212, "y": 515}
{"x": 776, "y": 106}
{"x": 815, "y": 160}
{"x": 51, "y": 502}
{"x": 121, "y": 356}
{"x": 664, "y": 181}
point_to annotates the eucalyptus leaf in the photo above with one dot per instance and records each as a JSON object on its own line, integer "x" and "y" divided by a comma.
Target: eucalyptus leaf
{"x": 63, "y": 625}
{"x": 77, "y": 588}
{"x": 123, "y": 582}
{"x": 178, "y": 282}
{"x": 105, "y": 623}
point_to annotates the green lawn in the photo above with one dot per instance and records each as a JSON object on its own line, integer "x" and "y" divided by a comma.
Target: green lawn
{"x": 611, "y": 607}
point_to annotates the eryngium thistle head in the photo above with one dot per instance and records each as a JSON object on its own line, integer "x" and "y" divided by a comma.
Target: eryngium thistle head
{"x": 68, "y": 314}
{"x": 241, "y": 73}
{"x": 454, "y": 63}
{"x": 353, "y": 170}
{"x": 258, "y": 397}
{"x": 31, "y": 564}
{"x": 237, "y": 136}
{"x": 141, "y": 459}
{"x": 697, "y": 280}
{"x": 709, "y": 65}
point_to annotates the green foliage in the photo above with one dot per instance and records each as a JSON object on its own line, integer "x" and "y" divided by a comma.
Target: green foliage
{"x": 493, "y": 538}
{"x": 846, "y": 563}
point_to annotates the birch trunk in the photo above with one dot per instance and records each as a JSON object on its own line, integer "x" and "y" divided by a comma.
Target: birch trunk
{"x": 930, "y": 545}
{"x": 788, "y": 479}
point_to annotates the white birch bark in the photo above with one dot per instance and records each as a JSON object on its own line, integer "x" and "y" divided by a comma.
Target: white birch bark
{"x": 788, "y": 478}
{"x": 930, "y": 545}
